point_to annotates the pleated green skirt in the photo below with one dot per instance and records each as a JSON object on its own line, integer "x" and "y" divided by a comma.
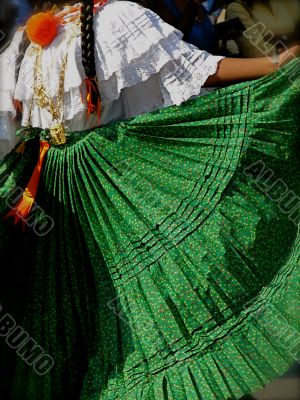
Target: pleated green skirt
{"x": 162, "y": 261}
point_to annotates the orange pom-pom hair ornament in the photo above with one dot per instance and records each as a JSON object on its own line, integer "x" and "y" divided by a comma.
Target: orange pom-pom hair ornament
{"x": 42, "y": 28}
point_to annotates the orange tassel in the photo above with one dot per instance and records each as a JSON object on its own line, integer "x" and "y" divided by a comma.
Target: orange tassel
{"x": 92, "y": 98}
{"x": 22, "y": 209}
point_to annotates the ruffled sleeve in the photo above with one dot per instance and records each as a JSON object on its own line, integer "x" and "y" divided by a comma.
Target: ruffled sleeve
{"x": 142, "y": 64}
{"x": 8, "y": 65}
{"x": 133, "y": 44}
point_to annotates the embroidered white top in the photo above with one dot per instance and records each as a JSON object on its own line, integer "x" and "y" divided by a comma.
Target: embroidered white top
{"x": 142, "y": 64}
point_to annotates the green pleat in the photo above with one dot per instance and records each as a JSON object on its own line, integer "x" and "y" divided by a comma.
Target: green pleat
{"x": 172, "y": 268}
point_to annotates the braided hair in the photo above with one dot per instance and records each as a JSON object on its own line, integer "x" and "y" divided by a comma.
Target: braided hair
{"x": 88, "y": 38}
{"x": 88, "y": 55}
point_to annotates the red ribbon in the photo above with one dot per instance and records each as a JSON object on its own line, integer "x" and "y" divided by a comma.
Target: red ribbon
{"x": 22, "y": 209}
{"x": 92, "y": 93}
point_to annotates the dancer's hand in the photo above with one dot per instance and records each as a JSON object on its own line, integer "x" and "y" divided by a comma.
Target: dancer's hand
{"x": 289, "y": 54}
{"x": 241, "y": 69}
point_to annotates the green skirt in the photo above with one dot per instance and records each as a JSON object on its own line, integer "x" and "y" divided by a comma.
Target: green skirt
{"x": 162, "y": 260}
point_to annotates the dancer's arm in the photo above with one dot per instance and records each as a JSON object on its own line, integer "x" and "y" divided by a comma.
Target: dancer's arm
{"x": 242, "y": 69}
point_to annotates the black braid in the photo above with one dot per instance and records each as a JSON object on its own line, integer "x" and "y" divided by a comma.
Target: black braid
{"x": 88, "y": 38}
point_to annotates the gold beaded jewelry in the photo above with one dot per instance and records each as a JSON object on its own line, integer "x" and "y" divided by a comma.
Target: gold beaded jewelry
{"x": 43, "y": 100}
{"x": 57, "y": 131}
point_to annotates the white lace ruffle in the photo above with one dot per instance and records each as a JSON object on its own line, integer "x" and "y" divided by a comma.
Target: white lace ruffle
{"x": 8, "y": 65}
{"x": 132, "y": 45}
{"x": 184, "y": 77}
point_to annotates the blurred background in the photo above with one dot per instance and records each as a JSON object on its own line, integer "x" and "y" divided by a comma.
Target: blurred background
{"x": 240, "y": 28}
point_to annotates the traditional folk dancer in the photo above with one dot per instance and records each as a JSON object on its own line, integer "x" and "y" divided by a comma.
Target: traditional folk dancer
{"x": 149, "y": 226}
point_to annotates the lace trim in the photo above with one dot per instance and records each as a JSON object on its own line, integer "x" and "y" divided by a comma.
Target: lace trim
{"x": 179, "y": 80}
{"x": 138, "y": 45}
{"x": 135, "y": 40}
{"x": 187, "y": 82}
{"x": 140, "y": 70}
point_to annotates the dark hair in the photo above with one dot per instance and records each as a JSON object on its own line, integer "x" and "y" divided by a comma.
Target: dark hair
{"x": 88, "y": 38}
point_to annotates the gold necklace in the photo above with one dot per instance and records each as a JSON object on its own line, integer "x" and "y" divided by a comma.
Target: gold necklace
{"x": 43, "y": 100}
{"x": 57, "y": 130}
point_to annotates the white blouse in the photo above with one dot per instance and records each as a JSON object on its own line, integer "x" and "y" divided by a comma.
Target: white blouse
{"x": 142, "y": 64}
